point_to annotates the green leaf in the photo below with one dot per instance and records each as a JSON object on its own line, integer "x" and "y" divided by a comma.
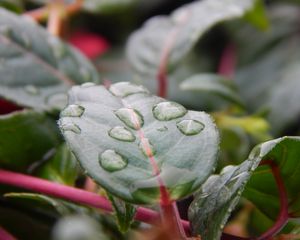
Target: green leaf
{"x": 40, "y": 200}
{"x": 215, "y": 84}
{"x": 107, "y": 6}
{"x": 12, "y": 5}
{"x": 257, "y": 16}
{"x": 262, "y": 190}
{"x": 61, "y": 168}
{"x": 216, "y": 199}
{"x": 25, "y": 137}
{"x": 178, "y": 33}
{"x": 124, "y": 212}
{"x": 36, "y": 68}
{"x": 133, "y": 143}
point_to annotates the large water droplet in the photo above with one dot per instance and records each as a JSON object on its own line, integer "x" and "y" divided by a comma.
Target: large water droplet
{"x": 131, "y": 117}
{"x": 72, "y": 110}
{"x": 88, "y": 84}
{"x": 165, "y": 111}
{"x": 70, "y": 127}
{"x": 146, "y": 147}
{"x": 58, "y": 101}
{"x": 125, "y": 89}
{"x": 190, "y": 127}
{"x": 31, "y": 89}
{"x": 112, "y": 161}
{"x": 122, "y": 134}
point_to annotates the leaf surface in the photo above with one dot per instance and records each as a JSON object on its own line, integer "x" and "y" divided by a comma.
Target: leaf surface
{"x": 36, "y": 68}
{"x": 133, "y": 143}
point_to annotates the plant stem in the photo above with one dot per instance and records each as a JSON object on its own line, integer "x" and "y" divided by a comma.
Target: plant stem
{"x": 57, "y": 16}
{"x": 80, "y": 196}
{"x": 228, "y": 61}
{"x": 283, "y": 212}
{"x": 4, "y": 235}
{"x": 39, "y": 15}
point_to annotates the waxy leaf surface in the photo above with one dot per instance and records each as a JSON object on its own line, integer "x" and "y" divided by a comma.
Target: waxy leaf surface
{"x": 135, "y": 144}
{"x": 36, "y": 68}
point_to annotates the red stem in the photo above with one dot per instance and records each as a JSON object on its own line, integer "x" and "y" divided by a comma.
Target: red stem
{"x": 4, "y": 235}
{"x": 283, "y": 212}
{"x": 228, "y": 61}
{"x": 82, "y": 197}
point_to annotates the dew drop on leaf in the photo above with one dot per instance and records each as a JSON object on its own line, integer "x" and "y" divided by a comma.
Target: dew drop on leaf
{"x": 86, "y": 75}
{"x": 162, "y": 129}
{"x": 166, "y": 111}
{"x": 131, "y": 117}
{"x": 125, "y": 89}
{"x": 70, "y": 127}
{"x": 122, "y": 134}
{"x": 190, "y": 127}
{"x": 31, "y": 89}
{"x": 88, "y": 84}
{"x": 146, "y": 147}
{"x": 112, "y": 161}
{"x": 72, "y": 110}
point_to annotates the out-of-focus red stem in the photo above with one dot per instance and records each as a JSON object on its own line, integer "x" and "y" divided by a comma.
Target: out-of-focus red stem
{"x": 5, "y": 235}
{"x": 283, "y": 212}
{"x": 227, "y": 63}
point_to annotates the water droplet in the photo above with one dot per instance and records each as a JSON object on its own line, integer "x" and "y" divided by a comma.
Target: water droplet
{"x": 146, "y": 147}
{"x": 31, "y": 89}
{"x": 190, "y": 127}
{"x": 70, "y": 127}
{"x": 125, "y": 89}
{"x": 121, "y": 133}
{"x": 86, "y": 75}
{"x": 58, "y": 48}
{"x": 222, "y": 226}
{"x": 57, "y": 101}
{"x": 131, "y": 117}
{"x": 88, "y": 84}
{"x": 162, "y": 129}
{"x": 112, "y": 161}
{"x": 165, "y": 111}
{"x": 72, "y": 110}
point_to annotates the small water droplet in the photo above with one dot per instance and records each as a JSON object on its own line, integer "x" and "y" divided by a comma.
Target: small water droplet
{"x": 125, "y": 89}
{"x": 131, "y": 117}
{"x": 190, "y": 127}
{"x": 122, "y": 134}
{"x": 222, "y": 226}
{"x": 86, "y": 75}
{"x": 72, "y": 110}
{"x": 70, "y": 127}
{"x": 58, "y": 48}
{"x": 31, "y": 89}
{"x": 162, "y": 129}
{"x": 57, "y": 101}
{"x": 166, "y": 111}
{"x": 112, "y": 161}
{"x": 88, "y": 84}
{"x": 146, "y": 147}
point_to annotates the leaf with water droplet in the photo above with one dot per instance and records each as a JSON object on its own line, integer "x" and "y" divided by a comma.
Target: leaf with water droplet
{"x": 255, "y": 182}
{"x": 124, "y": 89}
{"x": 72, "y": 110}
{"x": 122, "y": 149}
{"x": 122, "y": 134}
{"x": 190, "y": 127}
{"x": 112, "y": 161}
{"x": 51, "y": 66}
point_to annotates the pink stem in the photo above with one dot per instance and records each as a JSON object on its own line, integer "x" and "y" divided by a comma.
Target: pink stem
{"x": 80, "y": 196}
{"x": 283, "y": 216}
{"x": 228, "y": 61}
{"x": 4, "y": 235}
